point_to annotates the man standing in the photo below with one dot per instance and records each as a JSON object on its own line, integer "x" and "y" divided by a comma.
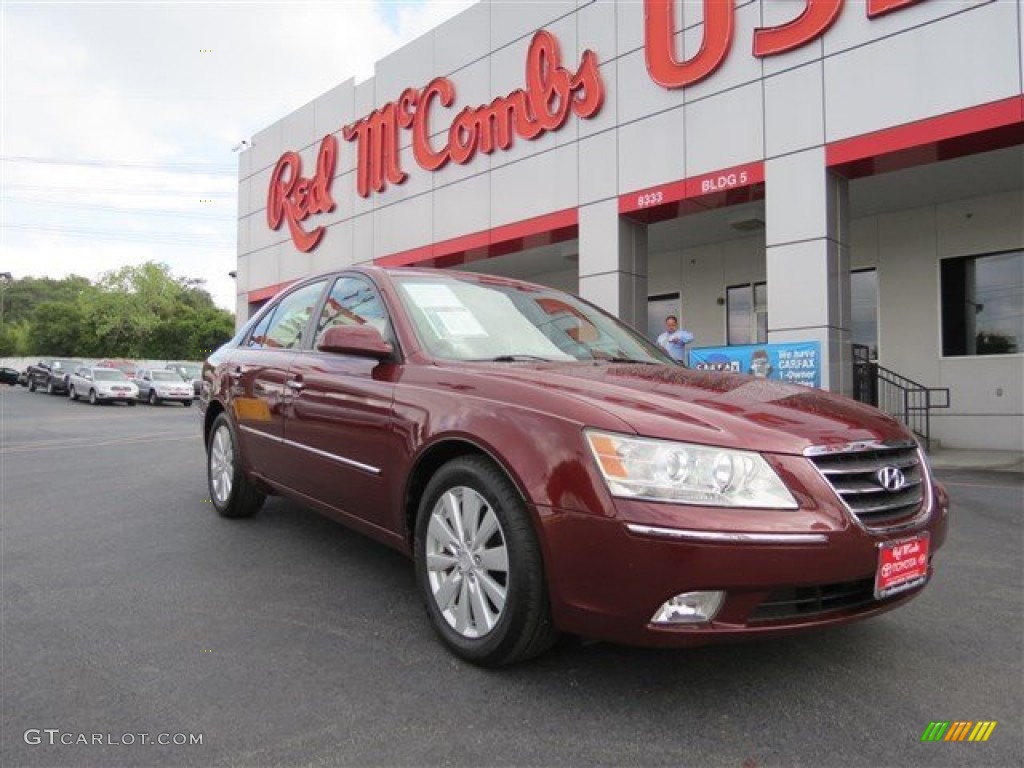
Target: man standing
{"x": 675, "y": 339}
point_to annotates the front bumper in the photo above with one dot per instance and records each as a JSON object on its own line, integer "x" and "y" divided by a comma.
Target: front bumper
{"x": 782, "y": 572}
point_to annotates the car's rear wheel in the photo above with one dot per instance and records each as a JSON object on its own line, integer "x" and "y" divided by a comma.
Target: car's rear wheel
{"x": 187, "y": 403}
{"x": 479, "y": 565}
{"x": 232, "y": 493}
{"x": 32, "y": 385}
{"x": 153, "y": 399}
{"x": 92, "y": 397}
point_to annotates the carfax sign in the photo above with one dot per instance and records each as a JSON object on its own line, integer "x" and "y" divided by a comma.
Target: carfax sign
{"x": 797, "y": 362}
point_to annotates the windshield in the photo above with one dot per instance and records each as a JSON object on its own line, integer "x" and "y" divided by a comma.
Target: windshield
{"x": 67, "y": 365}
{"x": 166, "y": 376}
{"x": 462, "y": 319}
{"x": 101, "y": 374}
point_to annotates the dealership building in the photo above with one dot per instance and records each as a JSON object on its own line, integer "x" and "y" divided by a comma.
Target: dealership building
{"x": 780, "y": 174}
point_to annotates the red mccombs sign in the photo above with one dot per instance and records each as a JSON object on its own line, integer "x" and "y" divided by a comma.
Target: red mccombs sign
{"x": 552, "y": 92}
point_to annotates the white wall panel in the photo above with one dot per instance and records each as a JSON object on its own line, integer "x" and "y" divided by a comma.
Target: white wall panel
{"x": 864, "y": 242}
{"x": 599, "y": 167}
{"x": 472, "y": 89}
{"x": 607, "y": 118}
{"x": 639, "y": 96}
{"x": 334, "y": 110}
{"x": 512, "y": 20}
{"x": 739, "y": 67}
{"x": 266, "y": 148}
{"x": 914, "y": 76}
{"x": 535, "y": 186}
{"x": 853, "y": 28}
{"x": 797, "y": 273}
{"x": 794, "y": 110}
{"x": 463, "y": 39}
{"x": 629, "y": 26}
{"x": 463, "y": 208}
{"x": 981, "y": 225}
{"x": 724, "y": 130}
{"x": 411, "y": 66}
{"x": 775, "y": 13}
{"x": 794, "y": 197}
{"x": 294, "y": 265}
{"x": 297, "y": 129}
{"x": 362, "y": 239}
{"x": 335, "y": 249}
{"x": 263, "y": 268}
{"x": 595, "y": 27}
{"x": 404, "y": 225}
{"x": 652, "y": 151}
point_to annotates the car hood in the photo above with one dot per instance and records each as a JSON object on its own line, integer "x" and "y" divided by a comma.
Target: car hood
{"x": 713, "y": 408}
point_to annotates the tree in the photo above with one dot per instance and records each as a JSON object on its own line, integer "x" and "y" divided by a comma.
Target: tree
{"x": 139, "y": 311}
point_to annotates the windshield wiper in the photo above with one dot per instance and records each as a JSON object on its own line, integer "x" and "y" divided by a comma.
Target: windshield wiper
{"x": 624, "y": 360}
{"x": 517, "y": 359}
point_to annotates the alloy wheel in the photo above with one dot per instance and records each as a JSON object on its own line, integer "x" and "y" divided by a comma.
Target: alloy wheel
{"x": 222, "y": 465}
{"x": 467, "y": 562}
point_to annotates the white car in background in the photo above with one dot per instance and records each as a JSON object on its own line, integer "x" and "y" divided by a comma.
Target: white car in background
{"x": 157, "y": 386}
{"x": 101, "y": 385}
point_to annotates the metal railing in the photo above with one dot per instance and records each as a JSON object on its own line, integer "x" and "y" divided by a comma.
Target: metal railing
{"x": 900, "y": 397}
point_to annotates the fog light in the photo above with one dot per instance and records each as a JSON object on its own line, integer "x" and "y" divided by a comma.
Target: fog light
{"x": 689, "y": 608}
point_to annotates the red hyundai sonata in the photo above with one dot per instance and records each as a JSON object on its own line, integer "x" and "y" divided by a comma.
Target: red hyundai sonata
{"x": 550, "y": 470}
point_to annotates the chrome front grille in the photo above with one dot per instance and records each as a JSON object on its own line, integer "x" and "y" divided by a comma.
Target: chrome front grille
{"x": 859, "y": 473}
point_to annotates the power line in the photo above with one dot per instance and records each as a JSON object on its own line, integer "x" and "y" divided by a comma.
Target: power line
{"x": 210, "y": 169}
{"x": 130, "y": 237}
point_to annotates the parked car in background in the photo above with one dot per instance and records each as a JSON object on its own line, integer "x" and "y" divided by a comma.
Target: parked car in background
{"x": 158, "y": 386}
{"x": 23, "y": 378}
{"x": 51, "y": 374}
{"x": 101, "y": 385}
{"x": 9, "y": 376}
{"x": 190, "y": 372}
{"x": 127, "y": 367}
{"x": 548, "y": 469}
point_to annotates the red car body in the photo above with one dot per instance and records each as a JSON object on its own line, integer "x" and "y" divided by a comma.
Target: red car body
{"x": 608, "y": 562}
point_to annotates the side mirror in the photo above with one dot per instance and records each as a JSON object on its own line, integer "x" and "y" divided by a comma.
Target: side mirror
{"x": 361, "y": 340}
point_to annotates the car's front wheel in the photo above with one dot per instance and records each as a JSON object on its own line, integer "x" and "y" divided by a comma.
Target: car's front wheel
{"x": 232, "y": 493}
{"x": 92, "y": 397}
{"x": 32, "y": 385}
{"x": 479, "y": 565}
{"x": 153, "y": 399}
{"x": 71, "y": 393}
{"x": 49, "y": 387}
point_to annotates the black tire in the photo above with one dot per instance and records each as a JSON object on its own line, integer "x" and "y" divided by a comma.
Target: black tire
{"x": 153, "y": 399}
{"x": 32, "y": 385}
{"x": 187, "y": 403}
{"x": 523, "y": 628}
{"x": 131, "y": 403}
{"x": 49, "y": 387}
{"x": 243, "y": 499}
{"x": 92, "y": 397}
{"x": 71, "y": 394}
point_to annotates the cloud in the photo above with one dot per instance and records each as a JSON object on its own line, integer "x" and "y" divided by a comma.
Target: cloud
{"x": 142, "y": 103}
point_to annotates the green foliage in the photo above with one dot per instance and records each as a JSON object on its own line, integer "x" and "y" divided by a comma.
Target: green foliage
{"x": 135, "y": 312}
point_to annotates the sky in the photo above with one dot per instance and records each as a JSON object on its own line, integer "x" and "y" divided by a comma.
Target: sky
{"x": 119, "y": 119}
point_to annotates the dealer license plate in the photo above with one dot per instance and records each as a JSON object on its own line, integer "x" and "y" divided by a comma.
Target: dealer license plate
{"x": 902, "y": 565}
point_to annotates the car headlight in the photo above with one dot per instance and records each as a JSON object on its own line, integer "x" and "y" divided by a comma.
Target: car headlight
{"x": 684, "y": 473}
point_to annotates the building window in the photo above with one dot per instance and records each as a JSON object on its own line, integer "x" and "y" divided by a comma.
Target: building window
{"x": 864, "y": 309}
{"x": 983, "y": 304}
{"x": 747, "y": 313}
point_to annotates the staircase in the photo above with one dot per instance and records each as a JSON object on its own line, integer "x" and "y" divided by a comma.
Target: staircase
{"x": 900, "y": 397}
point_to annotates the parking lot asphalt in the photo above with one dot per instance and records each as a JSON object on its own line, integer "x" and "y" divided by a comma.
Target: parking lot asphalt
{"x": 132, "y": 613}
